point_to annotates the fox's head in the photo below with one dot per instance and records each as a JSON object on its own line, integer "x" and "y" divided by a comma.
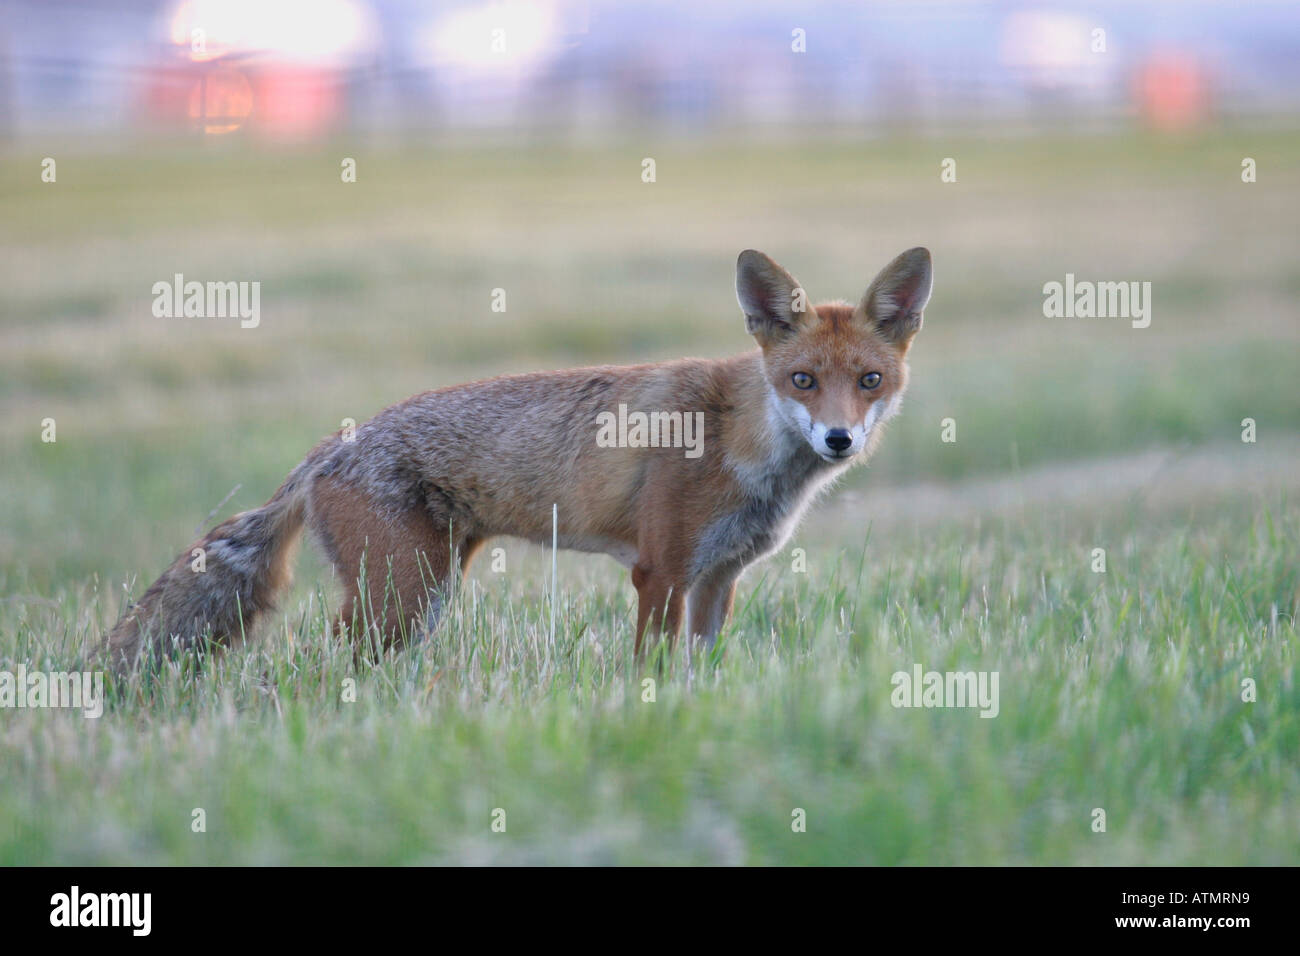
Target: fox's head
{"x": 837, "y": 371}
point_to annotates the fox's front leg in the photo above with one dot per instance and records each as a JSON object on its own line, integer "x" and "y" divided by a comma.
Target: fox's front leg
{"x": 661, "y": 599}
{"x": 711, "y": 601}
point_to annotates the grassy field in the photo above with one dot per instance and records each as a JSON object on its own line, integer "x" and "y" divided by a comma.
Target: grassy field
{"x": 1120, "y": 690}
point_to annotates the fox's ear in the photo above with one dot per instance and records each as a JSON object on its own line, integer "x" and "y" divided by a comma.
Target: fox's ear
{"x": 771, "y": 298}
{"x": 896, "y": 298}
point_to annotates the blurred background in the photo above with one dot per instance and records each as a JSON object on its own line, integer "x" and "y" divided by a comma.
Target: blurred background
{"x": 303, "y": 69}
{"x": 503, "y": 146}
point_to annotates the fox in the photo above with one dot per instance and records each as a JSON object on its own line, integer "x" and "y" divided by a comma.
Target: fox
{"x": 402, "y": 506}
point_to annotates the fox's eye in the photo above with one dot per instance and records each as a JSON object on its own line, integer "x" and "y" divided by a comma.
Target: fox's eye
{"x": 802, "y": 380}
{"x": 871, "y": 380}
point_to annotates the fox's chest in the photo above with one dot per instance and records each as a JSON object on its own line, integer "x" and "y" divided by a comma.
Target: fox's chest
{"x": 763, "y": 521}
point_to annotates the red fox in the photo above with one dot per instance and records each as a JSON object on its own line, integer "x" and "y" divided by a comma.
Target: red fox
{"x": 415, "y": 493}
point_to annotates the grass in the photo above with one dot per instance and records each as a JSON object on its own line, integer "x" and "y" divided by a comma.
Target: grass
{"x": 1120, "y": 690}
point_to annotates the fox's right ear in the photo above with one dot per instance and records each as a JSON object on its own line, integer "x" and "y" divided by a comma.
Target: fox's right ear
{"x": 771, "y": 298}
{"x": 897, "y": 297}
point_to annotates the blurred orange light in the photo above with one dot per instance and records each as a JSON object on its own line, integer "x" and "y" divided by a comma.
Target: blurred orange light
{"x": 1173, "y": 92}
{"x": 221, "y": 101}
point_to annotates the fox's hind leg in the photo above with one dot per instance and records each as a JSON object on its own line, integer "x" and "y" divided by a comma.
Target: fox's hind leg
{"x": 395, "y": 567}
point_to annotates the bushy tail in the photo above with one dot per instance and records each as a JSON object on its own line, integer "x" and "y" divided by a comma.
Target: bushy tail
{"x": 219, "y": 592}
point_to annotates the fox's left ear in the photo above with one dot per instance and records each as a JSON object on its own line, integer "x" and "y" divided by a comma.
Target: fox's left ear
{"x": 768, "y": 296}
{"x": 897, "y": 297}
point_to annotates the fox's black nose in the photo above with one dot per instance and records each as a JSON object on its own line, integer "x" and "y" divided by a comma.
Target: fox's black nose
{"x": 838, "y": 439}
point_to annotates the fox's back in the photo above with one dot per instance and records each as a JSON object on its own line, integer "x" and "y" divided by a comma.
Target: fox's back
{"x": 501, "y": 451}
